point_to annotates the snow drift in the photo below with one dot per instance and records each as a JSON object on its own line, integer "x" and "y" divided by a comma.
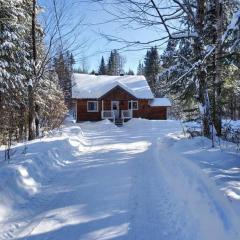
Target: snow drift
{"x": 98, "y": 181}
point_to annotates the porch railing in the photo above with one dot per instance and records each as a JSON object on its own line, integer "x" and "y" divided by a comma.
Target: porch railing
{"x": 108, "y": 114}
{"x": 126, "y": 114}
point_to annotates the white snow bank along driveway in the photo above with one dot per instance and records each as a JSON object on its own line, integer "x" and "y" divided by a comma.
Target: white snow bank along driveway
{"x": 103, "y": 182}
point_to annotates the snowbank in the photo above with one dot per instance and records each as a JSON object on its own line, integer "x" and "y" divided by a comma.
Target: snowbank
{"x": 221, "y": 163}
{"x": 231, "y": 123}
{"x": 24, "y": 176}
{"x": 194, "y": 191}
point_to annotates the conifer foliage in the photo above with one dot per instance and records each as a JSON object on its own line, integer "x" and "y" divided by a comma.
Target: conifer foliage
{"x": 114, "y": 66}
{"x": 115, "y": 63}
{"x": 63, "y": 65}
{"x": 152, "y": 68}
{"x": 140, "y": 69}
{"x": 31, "y": 100}
{"x": 102, "y": 68}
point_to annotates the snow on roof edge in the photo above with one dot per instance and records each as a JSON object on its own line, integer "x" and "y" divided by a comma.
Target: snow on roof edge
{"x": 160, "y": 102}
{"x": 86, "y": 86}
{"x": 122, "y": 85}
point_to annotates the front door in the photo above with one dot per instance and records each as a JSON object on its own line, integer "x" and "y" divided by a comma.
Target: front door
{"x": 115, "y": 108}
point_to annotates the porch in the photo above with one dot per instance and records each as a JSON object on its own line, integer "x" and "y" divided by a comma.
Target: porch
{"x": 118, "y": 111}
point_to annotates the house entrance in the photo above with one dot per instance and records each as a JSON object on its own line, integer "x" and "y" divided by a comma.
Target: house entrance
{"x": 115, "y": 108}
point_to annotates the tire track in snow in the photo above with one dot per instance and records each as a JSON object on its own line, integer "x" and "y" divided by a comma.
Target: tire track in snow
{"x": 153, "y": 213}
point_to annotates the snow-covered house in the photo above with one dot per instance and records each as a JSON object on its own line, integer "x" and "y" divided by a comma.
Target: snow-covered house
{"x": 117, "y": 98}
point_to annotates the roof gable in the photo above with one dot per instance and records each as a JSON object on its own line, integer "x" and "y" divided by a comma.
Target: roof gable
{"x": 91, "y": 86}
{"x": 118, "y": 92}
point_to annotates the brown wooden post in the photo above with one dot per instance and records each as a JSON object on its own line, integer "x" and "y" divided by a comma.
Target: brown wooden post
{"x": 102, "y": 108}
{"x": 132, "y": 108}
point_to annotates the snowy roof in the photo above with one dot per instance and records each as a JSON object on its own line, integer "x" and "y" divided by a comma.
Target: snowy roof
{"x": 164, "y": 102}
{"x": 92, "y": 86}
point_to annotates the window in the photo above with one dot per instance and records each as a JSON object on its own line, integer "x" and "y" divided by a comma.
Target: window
{"x": 134, "y": 104}
{"x": 92, "y": 106}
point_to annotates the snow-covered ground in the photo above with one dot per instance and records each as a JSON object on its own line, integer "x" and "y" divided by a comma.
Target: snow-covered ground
{"x": 140, "y": 181}
{"x": 197, "y": 126}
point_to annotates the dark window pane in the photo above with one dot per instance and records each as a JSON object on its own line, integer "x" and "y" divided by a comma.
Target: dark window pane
{"x": 92, "y": 106}
{"x": 134, "y": 104}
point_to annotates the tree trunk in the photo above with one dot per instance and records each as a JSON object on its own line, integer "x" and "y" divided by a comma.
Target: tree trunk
{"x": 234, "y": 116}
{"x": 201, "y": 73}
{"x": 218, "y": 63}
{"x": 31, "y": 135}
{"x": 21, "y": 122}
{"x": 31, "y": 112}
{"x": 37, "y": 119}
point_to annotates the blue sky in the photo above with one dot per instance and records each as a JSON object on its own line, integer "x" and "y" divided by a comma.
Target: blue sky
{"x": 90, "y": 31}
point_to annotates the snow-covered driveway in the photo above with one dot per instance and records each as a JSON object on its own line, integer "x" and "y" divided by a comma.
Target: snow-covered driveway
{"x": 118, "y": 183}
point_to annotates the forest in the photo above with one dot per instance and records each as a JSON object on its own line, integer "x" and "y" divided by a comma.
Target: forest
{"x": 194, "y": 61}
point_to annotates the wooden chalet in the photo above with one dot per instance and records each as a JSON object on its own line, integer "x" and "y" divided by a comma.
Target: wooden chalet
{"x": 117, "y": 98}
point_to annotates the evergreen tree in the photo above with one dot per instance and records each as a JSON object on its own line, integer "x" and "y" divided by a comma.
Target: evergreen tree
{"x": 152, "y": 69}
{"x": 102, "y": 67}
{"x": 27, "y": 89}
{"x": 63, "y": 65}
{"x": 110, "y": 66}
{"x": 130, "y": 72}
{"x": 15, "y": 66}
{"x": 195, "y": 66}
{"x": 71, "y": 62}
{"x": 115, "y": 63}
{"x": 140, "y": 69}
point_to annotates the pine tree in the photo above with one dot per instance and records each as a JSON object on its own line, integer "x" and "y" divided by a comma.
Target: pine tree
{"x": 102, "y": 67}
{"x": 63, "y": 65}
{"x": 26, "y": 85}
{"x": 110, "y": 66}
{"x": 14, "y": 66}
{"x": 130, "y": 72}
{"x": 152, "y": 68}
{"x": 115, "y": 63}
{"x": 140, "y": 69}
{"x": 71, "y": 61}
{"x": 195, "y": 66}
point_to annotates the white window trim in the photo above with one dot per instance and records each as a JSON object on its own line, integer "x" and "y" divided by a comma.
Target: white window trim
{"x": 129, "y": 102}
{"x": 118, "y": 104}
{"x": 92, "y": 110}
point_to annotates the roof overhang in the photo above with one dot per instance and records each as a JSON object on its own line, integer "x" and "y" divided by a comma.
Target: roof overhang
{"x": 160, "y": 102}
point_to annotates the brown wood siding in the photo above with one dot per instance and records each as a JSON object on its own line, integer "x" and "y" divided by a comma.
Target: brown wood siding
{"x": 158, "y": 113}
{"x": 143, "y": 109}
{"x": 119, "y": 94}
{"x": 84, "y": 115}
{"x": 148, "y": 112}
